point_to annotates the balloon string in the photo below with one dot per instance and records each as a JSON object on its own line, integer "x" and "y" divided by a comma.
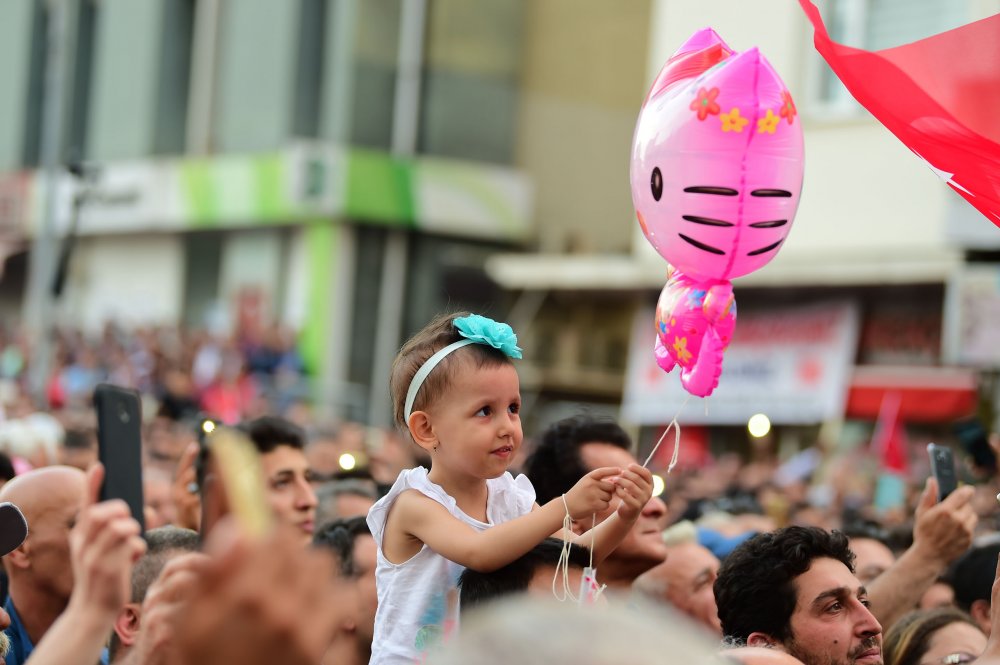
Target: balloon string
{"x": 562, "y": 565}
{"x": 674, "y": 425}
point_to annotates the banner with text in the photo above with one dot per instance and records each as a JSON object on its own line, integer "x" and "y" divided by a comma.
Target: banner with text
{"x": 791, "y": 364}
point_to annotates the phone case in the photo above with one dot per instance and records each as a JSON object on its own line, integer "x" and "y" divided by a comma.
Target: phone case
{"x": 943, "y": 468}
{"x": 119, "y": 438}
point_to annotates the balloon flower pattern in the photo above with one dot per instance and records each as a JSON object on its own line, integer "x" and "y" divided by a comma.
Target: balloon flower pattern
{"x": 716, "y": 173}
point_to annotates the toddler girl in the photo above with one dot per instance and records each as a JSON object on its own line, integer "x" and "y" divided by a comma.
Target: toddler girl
{"x": 455, "y": 390}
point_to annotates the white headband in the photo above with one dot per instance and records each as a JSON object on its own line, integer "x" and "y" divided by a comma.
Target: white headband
{"x": 425, "y": 369}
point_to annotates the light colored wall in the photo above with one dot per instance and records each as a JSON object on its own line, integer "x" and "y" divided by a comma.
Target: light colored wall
{"x": 133, "y": 279}
{"x": 257, "y": 50}
{"x": 584, "y": 79}
{"x": 15, "y": 57}
{"x": 124, "y": 80}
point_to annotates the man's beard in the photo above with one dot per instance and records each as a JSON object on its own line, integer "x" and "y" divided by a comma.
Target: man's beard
{"x": 868, "y": 643}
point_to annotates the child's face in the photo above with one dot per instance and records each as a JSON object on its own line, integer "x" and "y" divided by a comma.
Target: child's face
{"x": 476, "y": 421}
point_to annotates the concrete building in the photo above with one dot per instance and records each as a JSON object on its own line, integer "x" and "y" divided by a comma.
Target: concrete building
{"x": 351, "y": 167}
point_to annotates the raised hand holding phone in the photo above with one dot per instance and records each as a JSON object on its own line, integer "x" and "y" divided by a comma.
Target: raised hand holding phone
{"x": 119, "y": 441}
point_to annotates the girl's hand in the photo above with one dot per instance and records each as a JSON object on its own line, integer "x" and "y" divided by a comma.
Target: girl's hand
{"x": 593, "y": 493}
{"x": 635, "y": 488}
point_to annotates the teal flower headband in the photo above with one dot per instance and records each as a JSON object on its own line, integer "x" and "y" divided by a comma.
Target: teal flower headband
{"x": 475, "y": 329}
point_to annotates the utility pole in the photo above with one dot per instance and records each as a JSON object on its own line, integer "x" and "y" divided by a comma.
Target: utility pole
{"x": 39, "y": 311}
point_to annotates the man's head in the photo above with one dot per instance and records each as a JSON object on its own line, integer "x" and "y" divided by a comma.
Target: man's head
{"x": 685, "y": 579}
{"x": 972, "y": 578}
{"x": 795, "y": 589}
{"x": 339, "y": 499}
{"x": 350, "y": 540}
{"x": 532, "y": 572}
{"x": 162, "y": 544}
{"x": 286, "y": 472}
{"x": 567, "y": 451}
{"x": 39, "y": 569}
{"x": 872, "y": 554}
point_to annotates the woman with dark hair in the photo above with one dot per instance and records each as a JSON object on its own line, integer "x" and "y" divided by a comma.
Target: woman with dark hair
{"x": 943, "y": 636}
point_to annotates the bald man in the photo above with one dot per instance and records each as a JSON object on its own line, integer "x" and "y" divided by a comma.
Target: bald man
{"x": 40, "y": 572}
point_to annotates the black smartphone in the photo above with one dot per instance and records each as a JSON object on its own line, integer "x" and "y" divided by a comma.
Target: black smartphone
{"x": 119, "y": 445}
{"x": 943, "y": 468}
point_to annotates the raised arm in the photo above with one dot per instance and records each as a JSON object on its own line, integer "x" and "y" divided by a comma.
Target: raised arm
{"x": 941, "y": 533}
{"x": 104, "y": 545}
{"x": 427, "y": 521}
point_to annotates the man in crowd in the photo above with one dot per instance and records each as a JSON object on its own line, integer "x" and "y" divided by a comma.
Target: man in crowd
{"x": 533, "y": 572}
{"x": 794, "y": 589}
{"x": 567, "y": 451}
{"x": 350, "y": 540}
{"x": 162, "y": 545}
{"x": 972, "y": 578}
{"x": 39, "y": 570}
{"x": 286, "y": 476}
{"x": 685, "y": 579}
{"x": 872, "y": 555}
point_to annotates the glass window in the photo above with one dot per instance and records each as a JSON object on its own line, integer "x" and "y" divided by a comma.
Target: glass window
{"x": 309, "y": 68}
{"x": 376, "y": 50}
{"x": 170, "y": 126}
{"x": 881, "y": 24}
{"x": 469, "y": 98}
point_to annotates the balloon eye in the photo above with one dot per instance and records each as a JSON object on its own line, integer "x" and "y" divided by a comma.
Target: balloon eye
{"x": 656, "y": 182}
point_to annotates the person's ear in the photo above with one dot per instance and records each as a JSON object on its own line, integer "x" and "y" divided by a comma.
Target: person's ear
{"x": 127, "y": 624}
{"x": 422, "y": 431}
{"x": 19, "y": 557}
{"x": 980, "y": 611}
{"x": 761, "y": 640}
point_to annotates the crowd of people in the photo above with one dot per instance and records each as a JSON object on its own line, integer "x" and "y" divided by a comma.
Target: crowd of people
{"x": 457, "y": 537}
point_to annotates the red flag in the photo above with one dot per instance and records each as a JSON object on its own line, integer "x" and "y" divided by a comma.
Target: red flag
{"x": 889, "y": 439}
{"x": 940, "y": 96}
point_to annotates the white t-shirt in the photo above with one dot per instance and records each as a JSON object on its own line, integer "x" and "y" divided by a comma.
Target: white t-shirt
{"x": 418, "y": 599}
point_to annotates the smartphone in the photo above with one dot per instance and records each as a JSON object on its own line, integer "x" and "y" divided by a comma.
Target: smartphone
{"x": 119, "y": 445}
{"x": 943, "y": 468}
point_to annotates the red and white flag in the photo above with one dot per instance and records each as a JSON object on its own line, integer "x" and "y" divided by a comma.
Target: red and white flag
{"x": 940, "y": 96}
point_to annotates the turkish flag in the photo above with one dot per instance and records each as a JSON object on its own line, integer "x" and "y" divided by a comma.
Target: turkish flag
{"x": 889, "y": 440}
{"x": 940, "y": 96}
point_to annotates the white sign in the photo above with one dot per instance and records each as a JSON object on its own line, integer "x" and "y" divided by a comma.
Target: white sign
{"x": 972, "y": 316}
{"x": 793, "y": 365}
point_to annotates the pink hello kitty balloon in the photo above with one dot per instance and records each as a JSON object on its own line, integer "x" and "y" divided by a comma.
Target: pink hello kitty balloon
{"x": 716, "y": 174}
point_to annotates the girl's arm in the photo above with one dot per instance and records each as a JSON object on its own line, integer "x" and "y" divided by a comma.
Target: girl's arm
{"x": 634, "y": 487}
{"x": 426, "y": 520}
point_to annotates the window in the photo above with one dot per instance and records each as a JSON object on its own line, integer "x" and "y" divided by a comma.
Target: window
{"x": 470, "y": 81}
{"x": 174, "y": 77}
{"x": 875, "y": 25}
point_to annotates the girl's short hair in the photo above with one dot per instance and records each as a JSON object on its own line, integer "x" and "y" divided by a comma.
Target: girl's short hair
{"x": 436, "y": 335}
{"x": 910, "y": 637}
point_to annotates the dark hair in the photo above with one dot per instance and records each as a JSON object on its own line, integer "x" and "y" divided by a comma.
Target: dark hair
{"x": 755, "y": 589}
{"x": 476, "y": 588}
{"x": 161, "y": 544}
{"x": 338, "y": 537}
{"x": 269, "y": 432}
{"x": 436, "y": 335}
{"x": 555, "y": 465}
{"x": 973, "y": 574}
{"x": 908, "y": 640}
{"x": 6, "y": 468}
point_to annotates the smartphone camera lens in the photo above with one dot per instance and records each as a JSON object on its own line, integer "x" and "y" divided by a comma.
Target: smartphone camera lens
{"x": 123, "y": 414}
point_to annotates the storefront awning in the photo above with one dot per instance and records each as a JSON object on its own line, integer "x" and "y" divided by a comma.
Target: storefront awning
{"x": 927, "y": 394}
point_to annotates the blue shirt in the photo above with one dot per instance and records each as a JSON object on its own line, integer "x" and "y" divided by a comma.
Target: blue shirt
{"x": 20, "y": 644}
